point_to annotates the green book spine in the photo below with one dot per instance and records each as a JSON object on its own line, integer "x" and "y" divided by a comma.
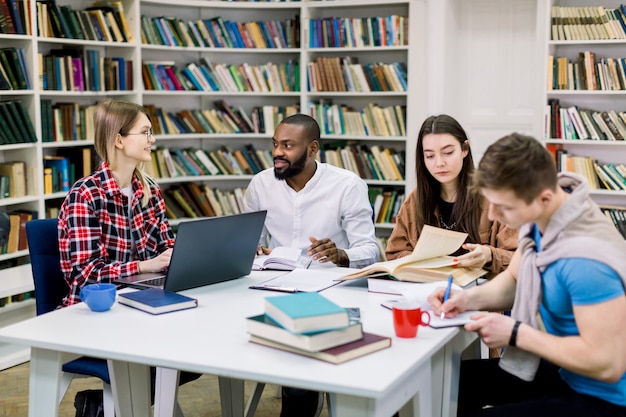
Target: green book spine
{"x": 31, "y": 136}
{"x": 5, "y": 58}
{"x": 13, "y": 133}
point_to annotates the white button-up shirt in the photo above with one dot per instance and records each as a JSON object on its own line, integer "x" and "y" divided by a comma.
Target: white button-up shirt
{"x": 333, "y": 204}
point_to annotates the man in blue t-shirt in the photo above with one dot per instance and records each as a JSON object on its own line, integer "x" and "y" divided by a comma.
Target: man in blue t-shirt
{"x": 565, "y": 341}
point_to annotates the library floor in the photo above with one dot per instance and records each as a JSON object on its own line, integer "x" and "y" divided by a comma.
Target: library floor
{"x": 199, "y": 398}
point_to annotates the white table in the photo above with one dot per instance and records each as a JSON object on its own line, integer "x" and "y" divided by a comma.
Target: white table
{"x": 418, "y": 376}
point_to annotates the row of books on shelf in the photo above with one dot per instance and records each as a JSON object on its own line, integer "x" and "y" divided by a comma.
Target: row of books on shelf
{"x": 104, "y": 21}
{"x": 386, "y": 203}
{"x": 369, "y": 162}
{"x": 371, "y": 120}
{"x": 375, "y": 162}
{"x": 71, "y": 121}
{"x": 322, "y": 330}
{"x": 345, "y": 74}
{"x": 16, "y": 298}
{"x": 617, "y": 215}
{"x": 206, "y": 76}
{"x": 587, "y": 23}
{"x": 15, "y": 123}
{"x": 338, "y": 32}
{"x": 13, "y": 179}
{"x": 222, "y": 119}
{"x": 605, "y": 74}
{"x": 573, "y": 122}
{"x": 15, "y": 17}
{"x": 68, "y": 165}
{"x": 72, "y": 69}
{"x": 66, "y": 121}
{"x": 185, "y": 162}
{"x": 16, "y": 239}
{"x": 220, "y": 33}
{"x": 601, "y": 176}
{"x": 191, "y": 200}
{"x": 13, "y": 70}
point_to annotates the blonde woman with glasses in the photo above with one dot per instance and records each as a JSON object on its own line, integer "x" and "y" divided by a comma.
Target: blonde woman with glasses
{"x": 112, "y": 223}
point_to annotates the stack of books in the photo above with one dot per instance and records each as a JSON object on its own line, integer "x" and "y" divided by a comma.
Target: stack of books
{"x": 311, "y": 325}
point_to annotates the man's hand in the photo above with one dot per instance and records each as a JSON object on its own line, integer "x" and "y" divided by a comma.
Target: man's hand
{"x": 456, "y": 302}
{"x": 262, "y": 250}
{"x": 325, "y": 251}
{"x": 493, "y": 328}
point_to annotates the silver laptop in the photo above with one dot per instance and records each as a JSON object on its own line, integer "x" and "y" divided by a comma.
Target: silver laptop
{"x": 207, "y": 251}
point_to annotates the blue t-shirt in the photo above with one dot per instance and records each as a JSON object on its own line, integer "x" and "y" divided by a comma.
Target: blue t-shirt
{"x": 570, "y": 282}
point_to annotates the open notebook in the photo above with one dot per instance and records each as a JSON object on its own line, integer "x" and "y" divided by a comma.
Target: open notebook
{"x": 207, "y": 251}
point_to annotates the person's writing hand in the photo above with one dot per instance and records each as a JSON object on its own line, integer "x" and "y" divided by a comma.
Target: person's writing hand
{"x": 262, "y": 250}
{"x": 325, "y": 250}
{"x": 493, "y": 328}
{"x": 455, "y": 304}
{"x": 158, "y": 263}
{"x": 477, "y": 257}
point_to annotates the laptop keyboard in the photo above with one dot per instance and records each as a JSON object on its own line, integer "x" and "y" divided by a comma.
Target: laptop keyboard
{"x": 156, "y": 282}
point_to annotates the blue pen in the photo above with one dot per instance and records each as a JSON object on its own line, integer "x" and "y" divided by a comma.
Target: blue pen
{"x": 447, "y": 294}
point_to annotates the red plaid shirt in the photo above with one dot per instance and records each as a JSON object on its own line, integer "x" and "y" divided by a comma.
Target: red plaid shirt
{"x": 96, "y": 234}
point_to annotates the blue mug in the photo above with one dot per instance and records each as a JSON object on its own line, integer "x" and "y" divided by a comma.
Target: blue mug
{"x": 99, "y": 297}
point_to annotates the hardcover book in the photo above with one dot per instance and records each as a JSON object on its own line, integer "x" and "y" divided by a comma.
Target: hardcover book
{"x": 16, "y": 173}
{"x": 306, "y": 312}
{"x": 427, "y": 263}
{"x": 263, "y": 326}
{"x": 157, "y": 301}
{"x": 368, "y": 344}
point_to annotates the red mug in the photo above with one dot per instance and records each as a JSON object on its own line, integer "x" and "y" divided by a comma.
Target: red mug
{"x": 407, "y": 317}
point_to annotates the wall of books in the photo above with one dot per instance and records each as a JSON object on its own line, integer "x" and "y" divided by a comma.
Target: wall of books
{"x": 216, "y": 77}
{"x": 585, "y": 87}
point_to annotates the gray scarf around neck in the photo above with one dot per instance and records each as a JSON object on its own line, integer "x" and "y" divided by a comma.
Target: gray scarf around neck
{"x": 578, "y": 229}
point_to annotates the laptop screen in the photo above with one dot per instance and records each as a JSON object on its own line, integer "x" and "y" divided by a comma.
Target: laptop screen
{"x": 207, "y": 251}
{"x": 214, "y": 249}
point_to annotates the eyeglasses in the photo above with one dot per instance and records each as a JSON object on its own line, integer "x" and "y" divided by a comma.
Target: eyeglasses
{"x": 148, "y": 134}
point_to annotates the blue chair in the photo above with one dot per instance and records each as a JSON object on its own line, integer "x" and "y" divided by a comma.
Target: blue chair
{"x": 50, "y": 288}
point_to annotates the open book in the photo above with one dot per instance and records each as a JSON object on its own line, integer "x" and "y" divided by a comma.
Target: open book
{"x": 281, "y": 258}
{"x": 428, "y": 262}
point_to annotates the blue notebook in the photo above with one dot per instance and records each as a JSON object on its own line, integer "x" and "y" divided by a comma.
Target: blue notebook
{"x": 157, "y": 301}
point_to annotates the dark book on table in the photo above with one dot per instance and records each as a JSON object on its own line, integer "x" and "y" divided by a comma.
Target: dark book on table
{"x": 157, "y": 301}
{"x": 368, "y": 344}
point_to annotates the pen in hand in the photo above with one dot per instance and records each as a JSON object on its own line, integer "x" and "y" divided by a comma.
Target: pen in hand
{"x": 447, "y": 294}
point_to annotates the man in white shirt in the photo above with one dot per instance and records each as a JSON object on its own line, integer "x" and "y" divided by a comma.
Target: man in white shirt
{"x": 319, "y": 208}
{"x": 313, "y": 206}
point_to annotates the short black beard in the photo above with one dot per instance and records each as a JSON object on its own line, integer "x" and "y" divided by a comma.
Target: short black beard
{"x": 292, "y": 169}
